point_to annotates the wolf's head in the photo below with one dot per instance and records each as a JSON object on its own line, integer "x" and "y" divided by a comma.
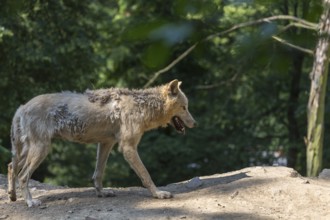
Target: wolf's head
{"x": 177, "y": 108}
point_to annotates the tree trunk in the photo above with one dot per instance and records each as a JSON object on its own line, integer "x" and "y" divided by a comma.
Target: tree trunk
{"x": 293, "y": 127}
{"x": 315, "y": 110}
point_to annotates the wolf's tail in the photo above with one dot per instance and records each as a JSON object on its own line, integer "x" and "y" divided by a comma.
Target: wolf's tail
{"x": 16, "y": 149}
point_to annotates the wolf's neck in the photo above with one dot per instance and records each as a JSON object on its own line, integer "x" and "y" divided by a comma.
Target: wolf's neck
{"x": 151, "y": 104}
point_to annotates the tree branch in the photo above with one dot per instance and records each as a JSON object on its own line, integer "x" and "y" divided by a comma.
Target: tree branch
{"x": 168, "y": 67}
{"x": 303, "y": 23}
{"x": 310, "y": 52}
{"x": 218, "y": 84}
{"x": 298, "y": 23}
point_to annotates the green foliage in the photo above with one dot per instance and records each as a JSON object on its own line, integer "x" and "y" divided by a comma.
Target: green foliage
{"x": 241, "y": 86}
{"x": 4, "y": 156}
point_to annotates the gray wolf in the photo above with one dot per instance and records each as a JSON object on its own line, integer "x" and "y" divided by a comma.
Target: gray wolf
{"x": 104, "y": 116}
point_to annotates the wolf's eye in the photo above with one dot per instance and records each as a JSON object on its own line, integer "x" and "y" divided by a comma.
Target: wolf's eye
{"x": 184, "y": 108}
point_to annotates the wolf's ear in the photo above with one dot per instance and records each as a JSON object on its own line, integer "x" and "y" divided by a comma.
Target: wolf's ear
{"x": 173, "y": 87}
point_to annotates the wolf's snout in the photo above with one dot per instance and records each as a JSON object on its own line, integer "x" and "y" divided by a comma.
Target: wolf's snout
{"x": 194, "y": 124}
{"x": 191, "y": 124}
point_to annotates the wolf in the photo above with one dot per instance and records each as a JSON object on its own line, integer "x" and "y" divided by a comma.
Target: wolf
{"x": 105, "y": 117}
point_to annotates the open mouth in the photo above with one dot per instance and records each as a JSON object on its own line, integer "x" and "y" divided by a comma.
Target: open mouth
{"x": 178, "y": 125}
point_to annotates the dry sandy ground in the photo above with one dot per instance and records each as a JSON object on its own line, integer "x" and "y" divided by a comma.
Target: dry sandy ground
{"x": 250, "y": 193}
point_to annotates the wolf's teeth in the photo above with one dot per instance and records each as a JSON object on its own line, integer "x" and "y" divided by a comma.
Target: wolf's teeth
{"x": 179, "y": 125}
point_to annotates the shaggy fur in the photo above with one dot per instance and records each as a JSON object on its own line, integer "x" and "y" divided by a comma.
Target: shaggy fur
{"x": 105, "y": 116}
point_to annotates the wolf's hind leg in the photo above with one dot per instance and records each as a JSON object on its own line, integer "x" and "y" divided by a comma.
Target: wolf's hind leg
{"x": 132, "y": 157}
{"x": 36, "y": 154}
{"x": 12, "y": 181}
{"x": 103, "y": 151}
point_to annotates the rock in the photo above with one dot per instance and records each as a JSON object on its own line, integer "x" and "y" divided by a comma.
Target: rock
{"x": 90, "y": 218}
{"x": 261, "y": 168}
{"x": 71, "y": 200}
{"x": 221, "y": 206}
{"x": 293, "y": 173}
{"x": 194, "y": 183}
{"x": 234, "y": 194}
{"x": 325, "y": 174}
{"x": 306, "y": 182}
{"x": 276, "y": 192}
{"x": 4, "y": 216}
{"x": 43, "y": 207}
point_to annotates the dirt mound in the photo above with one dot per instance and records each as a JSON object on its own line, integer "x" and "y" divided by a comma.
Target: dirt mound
{"x": 250, "y": 193}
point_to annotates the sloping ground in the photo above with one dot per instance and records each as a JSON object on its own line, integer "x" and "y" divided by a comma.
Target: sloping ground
{"x": 250, "y": 193}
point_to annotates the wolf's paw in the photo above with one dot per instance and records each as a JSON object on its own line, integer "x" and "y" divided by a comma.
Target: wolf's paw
{"x": 102, "y": 194}
{"x": 33, "y": 203}
{"x": 12, "y": 196}
{"x": 163, "y": 195}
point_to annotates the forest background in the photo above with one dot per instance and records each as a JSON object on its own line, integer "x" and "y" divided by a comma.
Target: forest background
{"x": 248, "y": 83}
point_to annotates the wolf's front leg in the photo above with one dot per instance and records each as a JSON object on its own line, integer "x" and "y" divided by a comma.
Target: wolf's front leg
{"x": 132, "y": 157}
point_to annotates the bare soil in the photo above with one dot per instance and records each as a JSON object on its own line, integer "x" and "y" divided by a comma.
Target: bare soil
{"x": 250, "y": 193}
